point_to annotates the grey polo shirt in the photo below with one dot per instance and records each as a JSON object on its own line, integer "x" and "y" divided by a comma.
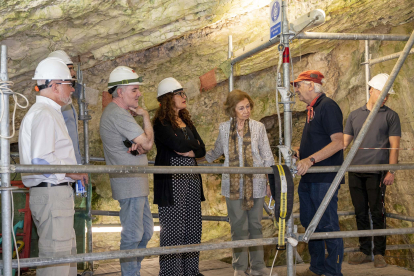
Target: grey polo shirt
{"x": 117, "y": 124}
{"x": 386, "y": 123}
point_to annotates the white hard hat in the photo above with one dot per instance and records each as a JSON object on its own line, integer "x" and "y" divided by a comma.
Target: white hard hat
{"x": 123, "y": 75}
{"x": 168, "y": 85}
{"x": 62, "y": 55}
{"x": 52, "y": 68}
{"x": 379, "y": 81}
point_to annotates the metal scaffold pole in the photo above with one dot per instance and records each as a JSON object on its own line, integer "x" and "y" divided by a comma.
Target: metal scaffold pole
{"x": 230, "y": 55}
{"x": 6, "y": 222}
{"x": 336, "y": 182}
{"x": 287, "y": 115}
{"x": 385, "y": 58}
{"x": 83, "y": 110}
{"x": 143, "y": 252}
{"x": 367, "y": 68}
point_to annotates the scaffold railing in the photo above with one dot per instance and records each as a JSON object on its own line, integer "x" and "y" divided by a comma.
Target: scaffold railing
{"x": 190, "y": 169}
{"x": 6, "y": 169}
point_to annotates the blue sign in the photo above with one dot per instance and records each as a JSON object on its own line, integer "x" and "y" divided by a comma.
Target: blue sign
{"x": 275, "y": 19}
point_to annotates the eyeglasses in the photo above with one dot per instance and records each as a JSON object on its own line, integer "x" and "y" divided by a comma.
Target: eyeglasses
{"x": 72, "y": 83}
{"x": 181, "y": 93}
{"x": 297, "y": 84}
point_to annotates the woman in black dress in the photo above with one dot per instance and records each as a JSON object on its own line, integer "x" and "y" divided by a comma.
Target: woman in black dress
{"x": 178, "y": 196}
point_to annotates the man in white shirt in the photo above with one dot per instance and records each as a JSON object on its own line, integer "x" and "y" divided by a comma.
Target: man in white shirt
{"x": 68, "y": 110}
{"x": 44, "y": 140}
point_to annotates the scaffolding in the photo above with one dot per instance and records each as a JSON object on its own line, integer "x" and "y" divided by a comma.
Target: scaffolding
{"x": 6, "y": 169}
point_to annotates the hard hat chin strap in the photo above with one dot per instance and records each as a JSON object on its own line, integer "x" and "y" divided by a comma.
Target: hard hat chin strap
{"x": 42, "y": 86}
{"x": 125, "y": 81}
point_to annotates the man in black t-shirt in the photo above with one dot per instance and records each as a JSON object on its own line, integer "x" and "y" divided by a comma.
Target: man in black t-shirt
{"x": 321, "y": 145}
{"x": 367, "y": 189}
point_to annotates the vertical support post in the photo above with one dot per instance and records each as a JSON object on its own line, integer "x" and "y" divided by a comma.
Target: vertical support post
{"x": 83, "y": 110}
{"x": 367, "y": 68}
{"x": 287, "y": 112}
{"x": 230, "y": 55}
{"x": 5, "y": 177}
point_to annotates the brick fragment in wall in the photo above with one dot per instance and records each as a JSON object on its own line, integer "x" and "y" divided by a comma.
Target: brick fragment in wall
{"x": 106, "y": 99}
{"x": 208, "y": 80}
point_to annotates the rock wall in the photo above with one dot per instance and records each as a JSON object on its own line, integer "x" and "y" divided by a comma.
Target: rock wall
{"x": 190, "y": 53}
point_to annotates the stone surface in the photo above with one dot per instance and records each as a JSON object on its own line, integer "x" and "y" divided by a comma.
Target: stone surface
{"x": 150, "y": 267}
{"x": 186, "y": 39}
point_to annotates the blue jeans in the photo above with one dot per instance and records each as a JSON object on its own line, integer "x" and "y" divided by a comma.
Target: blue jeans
{"x": 137, "y": 230}
{"x": 311, "y": 196}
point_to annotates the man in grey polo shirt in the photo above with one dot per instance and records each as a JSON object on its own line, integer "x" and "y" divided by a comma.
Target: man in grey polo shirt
{"x": 131, "y": 190}
{"x": 367, "y": 189}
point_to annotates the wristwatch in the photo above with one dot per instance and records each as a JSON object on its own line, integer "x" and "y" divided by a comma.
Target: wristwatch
{"x": 391, "y": 172}
{"x": 312, "y": 160}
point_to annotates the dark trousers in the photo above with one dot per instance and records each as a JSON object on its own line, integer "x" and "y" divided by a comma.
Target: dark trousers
{"x": 311, "y": 196}
{"x": 366, "y": 193}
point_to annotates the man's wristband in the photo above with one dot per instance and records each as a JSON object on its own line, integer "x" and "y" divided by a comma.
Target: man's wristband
{"x": 391, "y": 172}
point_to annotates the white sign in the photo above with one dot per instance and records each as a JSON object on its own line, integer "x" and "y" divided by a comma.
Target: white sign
{"x": 275, "y": 18}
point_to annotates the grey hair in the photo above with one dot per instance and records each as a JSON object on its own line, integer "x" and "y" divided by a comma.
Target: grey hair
{"x": 318, "y": 87}
{"x": 115, "y": 93}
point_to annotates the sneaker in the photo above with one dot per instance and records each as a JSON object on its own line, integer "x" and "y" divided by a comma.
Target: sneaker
{"x": 262, "y": 272}
{"x": 359, "y": 258}
{"x": 379, "y": 261}
{"x": 308, "y": 272}
{"x": 239, "y": 273}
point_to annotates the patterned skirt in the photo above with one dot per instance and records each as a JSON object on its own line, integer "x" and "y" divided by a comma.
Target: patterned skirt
{"x": 181, "y": 224}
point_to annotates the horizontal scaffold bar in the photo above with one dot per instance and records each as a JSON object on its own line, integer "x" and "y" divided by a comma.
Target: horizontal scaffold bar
{"x": 351, "y": 36}
{"x": 184, "y": 169}
{"x": 32, "y": 262}
{"x": 359, "y": 233}
{"x": 223, "y": 218}
{"x": 314, "y": 35}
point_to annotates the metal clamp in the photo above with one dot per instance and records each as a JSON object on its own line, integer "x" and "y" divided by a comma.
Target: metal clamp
{"x": 284, "y": 92}
{"x": 85, "y": 117}
{"x": 7, "y": 169}
{"x": 287, "y": 154}
{"x": 281, "y": 247}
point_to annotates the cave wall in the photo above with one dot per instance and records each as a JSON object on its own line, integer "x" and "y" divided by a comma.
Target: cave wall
{"x": 189, "y": 53}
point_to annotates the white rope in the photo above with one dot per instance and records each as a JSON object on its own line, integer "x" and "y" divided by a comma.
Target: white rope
{"x": 5, "y": 88}
{"x": 274, "y": 260}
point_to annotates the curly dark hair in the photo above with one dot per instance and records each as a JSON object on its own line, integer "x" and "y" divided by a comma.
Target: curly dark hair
{"x": 166, "y": 112}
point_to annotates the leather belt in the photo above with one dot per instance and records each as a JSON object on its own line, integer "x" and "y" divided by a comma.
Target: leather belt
{"x": 45, "y": 184}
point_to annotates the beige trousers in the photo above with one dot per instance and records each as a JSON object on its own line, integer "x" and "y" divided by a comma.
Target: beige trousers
{"x": 53, "y": 214}
{"x": 246, "y": 225}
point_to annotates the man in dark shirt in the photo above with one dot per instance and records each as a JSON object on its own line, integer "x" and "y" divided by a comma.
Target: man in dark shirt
{"x": 321, "y": 145}
{"x": 367, "y": 189}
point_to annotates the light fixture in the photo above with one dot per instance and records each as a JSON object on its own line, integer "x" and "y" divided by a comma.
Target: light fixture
{"x": 308, "y": 21}
{"x": 113, "y": 229}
